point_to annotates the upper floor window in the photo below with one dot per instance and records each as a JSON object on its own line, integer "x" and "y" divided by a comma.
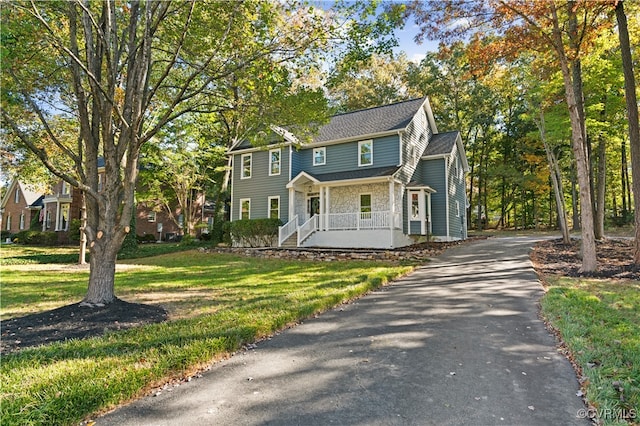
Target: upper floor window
{"x": 16, "y": 197}
{"x": 274, "y": 207}
{"x": 65, "y": 188}
{"x": 457, "y": 208}
{"x": 151, "y": 217}
{"x": 245, "y": 208}
{"x": 274, "y": 162}
{"x": 246, "y": 166}
{"x": 100, "y": 184}
{"x": 319, "y": 156}
{"x": 365, "y": 153}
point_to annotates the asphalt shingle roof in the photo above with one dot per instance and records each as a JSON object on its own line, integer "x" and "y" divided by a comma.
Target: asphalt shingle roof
{"x": 363, "y": 122}
{"x": 369, "y": 121}
{"x": 441, "y": 143}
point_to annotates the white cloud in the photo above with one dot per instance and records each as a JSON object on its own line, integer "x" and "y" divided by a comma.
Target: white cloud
{"x": 416, "y": 58}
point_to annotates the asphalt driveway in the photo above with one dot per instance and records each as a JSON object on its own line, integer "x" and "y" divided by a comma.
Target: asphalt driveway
{"x": 456, "y": 342}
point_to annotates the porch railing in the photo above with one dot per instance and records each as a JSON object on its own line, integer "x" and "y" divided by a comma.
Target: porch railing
{"x": 357, "y": 221}
{"x": 307, "y": 228}
{"x": 287, "y": 230}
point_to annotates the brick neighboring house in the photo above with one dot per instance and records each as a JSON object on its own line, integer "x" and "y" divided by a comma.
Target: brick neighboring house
{"x": 57, "y": 207}
{"x": 19, "y": 206}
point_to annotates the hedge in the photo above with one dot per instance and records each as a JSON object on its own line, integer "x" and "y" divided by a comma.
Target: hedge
{"x": 254, "y": 232}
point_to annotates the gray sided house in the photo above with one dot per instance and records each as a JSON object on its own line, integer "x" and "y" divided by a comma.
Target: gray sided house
{"x": 376, "y": 178}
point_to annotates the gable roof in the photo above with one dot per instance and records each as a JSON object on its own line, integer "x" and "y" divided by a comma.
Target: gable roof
{"x": 369, "y": 121}
{"x": 362, "y": 123}
{"x": 441, "y": 143}
{"x": 31, "y": 198}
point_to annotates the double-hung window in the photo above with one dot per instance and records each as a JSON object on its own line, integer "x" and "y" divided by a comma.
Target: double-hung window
{"x": 319, "y": 156}
{"x": 274, "y": 161}
{"x": 274, "y": 207}
{"x": 365, "y": 153}
{"x": 245, "y": 208}
{"x": 365, "y": 206}
{"x": 245, "y": 173}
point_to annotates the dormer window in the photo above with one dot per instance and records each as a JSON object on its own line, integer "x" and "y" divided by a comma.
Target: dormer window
{"x": 365, "y": 153}
{"x": 319, "y": 156}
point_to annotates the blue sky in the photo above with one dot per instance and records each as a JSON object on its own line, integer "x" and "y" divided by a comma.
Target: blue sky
{"x": 414, "y": 51}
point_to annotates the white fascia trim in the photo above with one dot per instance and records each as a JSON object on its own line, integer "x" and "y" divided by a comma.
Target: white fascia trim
{"x": 10, "y": 191}
{"x": 425, "y": 188}
{"x": 432, "y": 122}
{"x": 353, "y": 138}
{"x": 435, "y": 157}
{"x": 258, "y": 148}
{"x": 292, "y": 182}
{"x": 287, "y": 135}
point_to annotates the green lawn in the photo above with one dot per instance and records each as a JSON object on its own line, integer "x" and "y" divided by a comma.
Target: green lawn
{"x": 217, "y": 303}
{"x": 599, "y": 320}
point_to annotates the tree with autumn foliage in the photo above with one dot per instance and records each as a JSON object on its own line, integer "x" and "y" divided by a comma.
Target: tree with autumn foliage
{"x": 564, "y": 28}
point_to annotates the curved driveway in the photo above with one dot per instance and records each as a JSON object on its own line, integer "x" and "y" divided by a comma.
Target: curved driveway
{"x": 456, "y": 342}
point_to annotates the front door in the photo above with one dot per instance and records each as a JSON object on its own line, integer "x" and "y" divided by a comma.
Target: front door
{"x": 313, "y": 205}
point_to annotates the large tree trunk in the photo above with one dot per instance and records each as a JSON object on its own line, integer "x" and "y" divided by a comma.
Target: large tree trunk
{"x": 589, "y": 259}
{"x": 102, "y": 273}
{"x": 632, "y": 114}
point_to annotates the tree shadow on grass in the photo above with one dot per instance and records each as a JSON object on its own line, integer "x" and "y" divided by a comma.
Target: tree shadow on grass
{"x": 75, "y": 322}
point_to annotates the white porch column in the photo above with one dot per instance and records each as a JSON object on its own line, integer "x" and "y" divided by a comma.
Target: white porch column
{"x": 392, "y": 204}
{"x": 292, "y": 204}
{"x": 429, "y": 211}
{"x": 328, "y": 208}
{"x": 421, "y": 208}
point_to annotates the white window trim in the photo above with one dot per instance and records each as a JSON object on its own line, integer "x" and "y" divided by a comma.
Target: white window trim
{"x": 8, "y": 222}
{"x": 242, "y": 200}
{"x": 277, "y": 197}
{"x": 411, "y": 216}
{"x": 242, "y": 157}
{"x": 324, "y": 156}
{"x": 360, "y": 144}
{"x": 21, "y": 223}
{"x": 457, "y": 208}
{"x": 16, "y": 197}
{"x": 370, "y": 200}
{"x": 65, "y": 188}
{"x": 279, "y": 151}
{"x": 152, "y": 216}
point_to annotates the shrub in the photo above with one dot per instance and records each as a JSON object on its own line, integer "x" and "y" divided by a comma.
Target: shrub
{"x": 4, "y": 234}
{"x": 255, "y": 232}
{"x": 74, "y": 230}
{"x": 146, "y": 238}
{"x": 37, "y": 238}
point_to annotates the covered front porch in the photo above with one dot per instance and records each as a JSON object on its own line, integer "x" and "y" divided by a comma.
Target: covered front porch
{"x": 347, "y": 213}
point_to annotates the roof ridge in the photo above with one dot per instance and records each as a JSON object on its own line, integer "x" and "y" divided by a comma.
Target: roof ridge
{"x": 379, "y": 106}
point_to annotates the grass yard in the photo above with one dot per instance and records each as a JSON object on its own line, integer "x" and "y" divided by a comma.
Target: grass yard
{"x": 216, "y": 302}
{"x": 18, "y": 254}
{"x": 599, "y": 320}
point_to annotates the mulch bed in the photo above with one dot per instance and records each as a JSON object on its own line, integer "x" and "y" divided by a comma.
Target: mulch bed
{"x": 615, "y": 259}
{"x": 75, "y": 322}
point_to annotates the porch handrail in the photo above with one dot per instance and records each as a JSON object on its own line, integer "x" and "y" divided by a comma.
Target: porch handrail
{"x": 364, "y": 220}
{"x": 287, "y": 230}
{"x": 307, "y": 228}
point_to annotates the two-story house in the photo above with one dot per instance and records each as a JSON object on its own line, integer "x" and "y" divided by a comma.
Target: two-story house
{"x": 20, "y": 206}
{"x": 375, "y": 178}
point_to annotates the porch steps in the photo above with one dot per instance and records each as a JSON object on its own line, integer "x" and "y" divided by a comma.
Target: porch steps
{"x": 291, "y": 242}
